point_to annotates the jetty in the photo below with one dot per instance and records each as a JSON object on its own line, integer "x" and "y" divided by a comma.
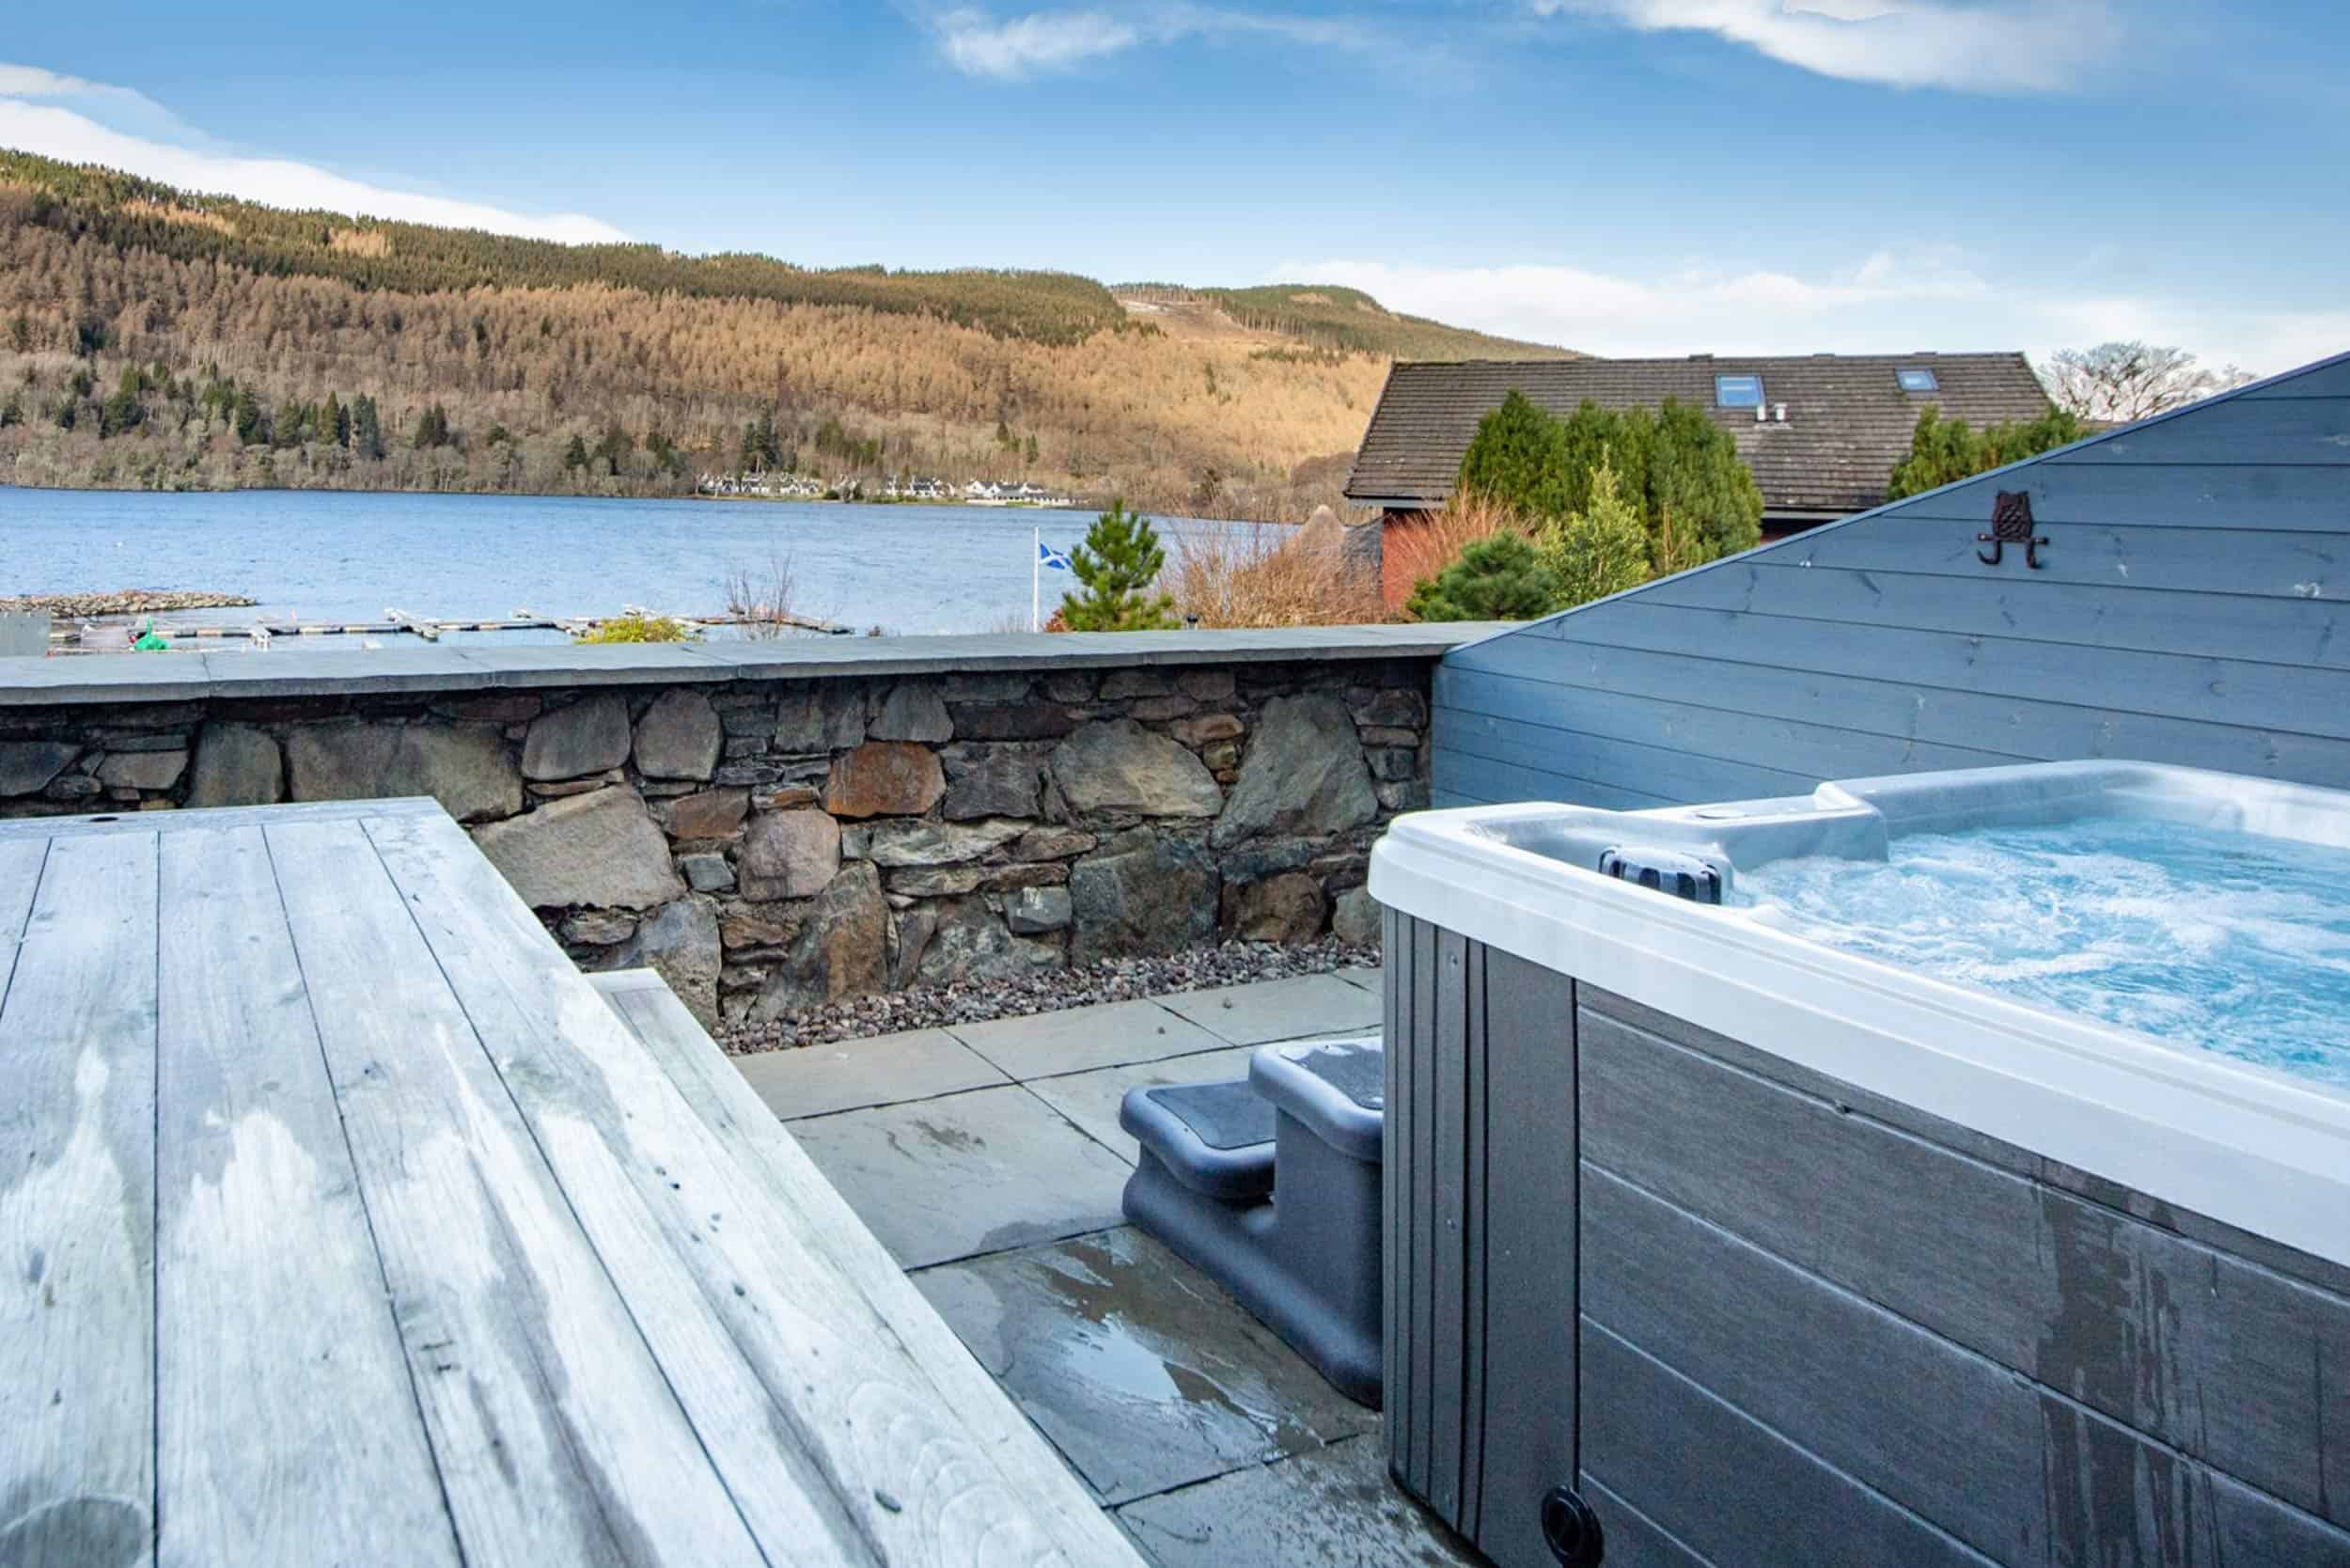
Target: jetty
{"x": 114, "y": 635}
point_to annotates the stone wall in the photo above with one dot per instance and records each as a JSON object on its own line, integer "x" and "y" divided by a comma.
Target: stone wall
{"x": 770, "y": 844}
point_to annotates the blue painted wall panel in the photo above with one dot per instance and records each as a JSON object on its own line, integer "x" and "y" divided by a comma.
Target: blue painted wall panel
{"x": 2194, "y": 608}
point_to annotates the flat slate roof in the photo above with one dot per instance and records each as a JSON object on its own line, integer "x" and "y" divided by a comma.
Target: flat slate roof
{"x": 310, "y": 671}
{"x": 1848, "y": 419}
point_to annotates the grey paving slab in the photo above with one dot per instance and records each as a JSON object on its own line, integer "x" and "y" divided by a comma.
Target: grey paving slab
{"x": 1143, "y": 1372}
{"x": 1333, "y": 1506}
{"x": 1103, "y": 1035}
{"x": 1266, "y": 1011}
{"x": 981, "y": 1171}
{"x": 1366, "y": 975}
{"x": 815, "y": 1080}
{"x": 1090, "y": 1099}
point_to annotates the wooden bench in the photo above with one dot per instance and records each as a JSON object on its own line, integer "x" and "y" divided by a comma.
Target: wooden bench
{"x": 343, "y": 1220}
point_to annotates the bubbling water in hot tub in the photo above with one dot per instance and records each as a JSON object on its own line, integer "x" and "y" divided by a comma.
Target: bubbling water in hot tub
{"x": 2226, "y": 941}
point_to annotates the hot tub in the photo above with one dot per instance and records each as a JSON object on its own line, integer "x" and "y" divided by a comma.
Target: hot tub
{"x": 1936, "y": 1169}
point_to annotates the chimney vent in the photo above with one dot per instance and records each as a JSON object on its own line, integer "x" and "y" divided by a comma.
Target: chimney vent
{"x": 1762, "y": 414}
{"x": 1779, "y": 411}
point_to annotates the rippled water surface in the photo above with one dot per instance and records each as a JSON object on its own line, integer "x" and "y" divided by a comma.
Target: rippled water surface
{"x": 328, "y": 555}
{"x": 2234, "y": 942}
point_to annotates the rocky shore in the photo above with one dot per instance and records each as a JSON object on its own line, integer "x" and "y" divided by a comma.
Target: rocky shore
{"x": 92, "y": 607}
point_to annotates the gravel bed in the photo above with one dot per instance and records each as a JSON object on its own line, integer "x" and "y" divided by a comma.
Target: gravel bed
{"x": 1112, "y": 979}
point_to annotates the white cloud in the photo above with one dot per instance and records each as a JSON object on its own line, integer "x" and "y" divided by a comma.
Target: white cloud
{"x": 34, "y": 117}
{"x": 1888, "y": 303}
{"x": 1994, "y": 46}
{"x": 980, "y": 43}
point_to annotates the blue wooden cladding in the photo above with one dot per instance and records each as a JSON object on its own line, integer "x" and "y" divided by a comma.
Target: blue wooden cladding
{"x": 2192, "y": 605}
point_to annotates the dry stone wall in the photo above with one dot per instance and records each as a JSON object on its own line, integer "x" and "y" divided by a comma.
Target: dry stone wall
{"x": 771, "y": 845}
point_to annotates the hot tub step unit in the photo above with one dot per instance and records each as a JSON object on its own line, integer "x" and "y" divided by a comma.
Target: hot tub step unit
{"x": 1271, "y": 1186}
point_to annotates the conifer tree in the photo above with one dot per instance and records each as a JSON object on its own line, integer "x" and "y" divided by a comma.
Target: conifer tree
{"x": 575, "y": 455}
{"x": 1119, "y": 565}
{"x": 1500, "y": 578}
{"x": 1601, "y": 549}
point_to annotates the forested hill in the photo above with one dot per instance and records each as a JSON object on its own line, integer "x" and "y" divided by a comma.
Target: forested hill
{"x": 156, "y": 337}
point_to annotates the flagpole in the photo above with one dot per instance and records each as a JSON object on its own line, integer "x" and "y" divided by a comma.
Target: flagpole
{"x": 1036, "y": 579}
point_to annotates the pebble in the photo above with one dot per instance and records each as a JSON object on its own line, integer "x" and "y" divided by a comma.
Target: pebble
{"x": 89, "y": 606}
{"x": 1111, "y": 980}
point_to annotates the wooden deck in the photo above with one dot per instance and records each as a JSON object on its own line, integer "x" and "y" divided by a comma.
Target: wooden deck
{"x": 342, "y": 1220}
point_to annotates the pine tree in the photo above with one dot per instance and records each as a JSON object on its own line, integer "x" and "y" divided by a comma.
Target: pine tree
{"x": 366, "y": 429}
{"x": 1500, "y": 578}
{"x": 1030, "y": 455}
{"x": 334, "y": 425}
{"x": 251, "y": 429}
{"x": 1943, "y": 451}
{"x": 1118, "y": 563}
{"x": 1601, "y": 549}
{"x": 1695, "y": 476}
{"x": 575, "y": 455}
{"x": 1519, "y": 458}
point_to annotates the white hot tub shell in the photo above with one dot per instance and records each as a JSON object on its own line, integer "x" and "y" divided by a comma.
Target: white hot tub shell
{"x": 1938, "y": 1275}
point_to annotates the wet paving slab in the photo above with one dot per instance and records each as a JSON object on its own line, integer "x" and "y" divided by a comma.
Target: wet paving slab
{"x": 816, "y": 1080}
{"x": 1333, "y": 1507}
{"x": 1091, "y": 1099}
{"x": 1078, "y": 1038}
{"x": 964, "y": 1174}
{"x": 1268, "y": 1010}
{"x": 1145, "y": 1374}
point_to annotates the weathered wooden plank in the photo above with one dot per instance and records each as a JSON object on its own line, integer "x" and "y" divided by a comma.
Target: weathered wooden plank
{"x": 2313, "y": 632}
{"x": 556, "y": 1435}
{"x": 1883, "y": 704}
{"x": 1458, "y": 774}
{"x": 734, "y": 1113}
{"x": 19, "y": 879}
{"x": 1728, "y": 1487}
{"x": 1841, "y": 1379}
{"x": 1588, "y": 752}
{"x": 287, "y": 1426}
{"x": 2328, "y": 379}
{"x": 2148, "y": 495}
{"x": 77, "y": 1217}
{"x": 2291, "y": 428}
{"x": 1488, "y": 703}
{"x": 1530, "y": 1400}
{"x": 205, "y": 819}
{"x": 834, "y": 1444}
{"x": 2276, "y": 696}
{"x": 2270, "y": 563}
{"x": 1450, "y": 1114}
{"x": 2230, "y": 1362}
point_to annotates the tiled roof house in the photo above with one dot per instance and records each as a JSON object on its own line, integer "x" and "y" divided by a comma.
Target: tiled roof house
{"x": 1821, "y": 432}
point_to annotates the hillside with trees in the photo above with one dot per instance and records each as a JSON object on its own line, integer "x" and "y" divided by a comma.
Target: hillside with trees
{"x": 151, "y": 337}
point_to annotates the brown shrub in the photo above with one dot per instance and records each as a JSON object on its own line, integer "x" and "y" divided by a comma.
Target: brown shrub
{"x": 1264, "y": 575}
{"x": 1418, "y": 551}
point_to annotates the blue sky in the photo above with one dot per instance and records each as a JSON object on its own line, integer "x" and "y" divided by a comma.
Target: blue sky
{"x": 1620, "y": 176}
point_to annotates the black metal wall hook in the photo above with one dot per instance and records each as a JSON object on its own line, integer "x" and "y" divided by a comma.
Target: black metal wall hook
{"x": 2011, "y": 523}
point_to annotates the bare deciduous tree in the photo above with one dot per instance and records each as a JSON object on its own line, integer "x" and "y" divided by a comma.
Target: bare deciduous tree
{"x": 2120, "y": 382}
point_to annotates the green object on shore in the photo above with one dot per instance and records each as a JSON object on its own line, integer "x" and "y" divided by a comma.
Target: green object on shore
{"x": 147, "y": 642}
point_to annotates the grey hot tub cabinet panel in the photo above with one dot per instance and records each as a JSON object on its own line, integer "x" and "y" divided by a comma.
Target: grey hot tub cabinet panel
{"x": 1812, "y": 1325}
{"x": 1460, "y": 1207}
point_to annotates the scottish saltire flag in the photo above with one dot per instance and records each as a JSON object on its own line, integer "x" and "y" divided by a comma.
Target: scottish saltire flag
{"x": 1050, "y": 559}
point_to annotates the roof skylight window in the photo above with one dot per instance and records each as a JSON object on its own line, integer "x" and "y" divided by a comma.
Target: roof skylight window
{"x": 1919, "y": 380}
{"x": 1737, "y": 391}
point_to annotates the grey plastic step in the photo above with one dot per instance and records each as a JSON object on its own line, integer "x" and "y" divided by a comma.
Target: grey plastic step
{"x": 1215, "y": 1138}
